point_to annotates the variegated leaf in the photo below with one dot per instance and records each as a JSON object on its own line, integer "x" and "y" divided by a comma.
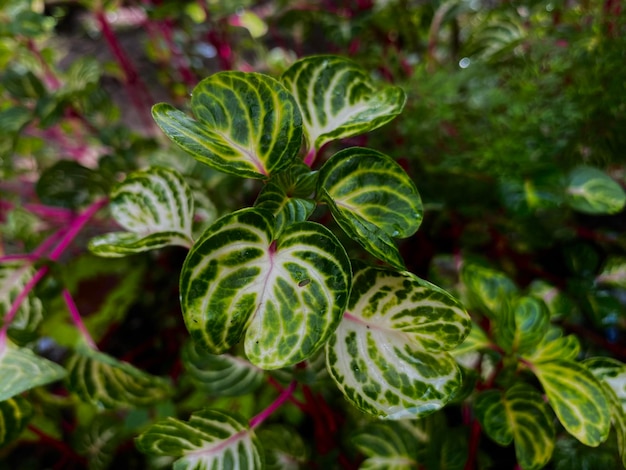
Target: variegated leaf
{"x": 592, "y": 191}
{"x": 211, "y": 439}
{"x": 284, "y": 448}
{"x": 372, "y": 199}
{"x": 223, "y": 375}
{"x": 559, "y": 305}
{"x": 15, "y": 413}
{"x": 613, "y": 273}
{"x": 288, "y": 293}
{"x": 388, "y": 354}
{"x": 106, "y": 382}
{"x": 521, "y": 325}
{"x": 338, "y": 99}
{"x": 518, "y": 415}
{"x": 476, "y": 340}
{"x": 387, "y": 446}
{"x": 554, "y": 346}
{"x": 13, "y": 278}
{"x": 612, "y": 375}
{"x": 21, "y": 369}
{"x": 155, "y": 206}
{"x": 98, "y": 441}
{"x": 487, "y": 289}
{"x": 247, "y": 124}
{"x": 577, "y": 398}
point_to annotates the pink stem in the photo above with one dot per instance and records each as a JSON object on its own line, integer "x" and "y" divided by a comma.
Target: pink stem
{"x": 76, "y": 318}
{"x": 267, "y": 412}
{"x": 310, "y": 158}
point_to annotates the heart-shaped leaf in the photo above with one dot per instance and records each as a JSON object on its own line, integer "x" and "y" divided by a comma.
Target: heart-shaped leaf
{"x": 289, "y": 293}
{"x": 592, "y": 191}
{"x": 13, "y": 278}
{"x": 155, "y": 206}
{"x": 15, "y": 413}
{"x": 210, "y": 439}
{"x": 223, "y": 375}
{"x": 519, "y": 415}
{"x": 387, "y": 446}
{"x": 522, "y": 324}
{"x": 372, "y": 199}
{"x": 106, "y": 382}
{"x": 338, "y": 99}
{"x": 21, "y": 369}
{"x": 388, "y": 354}
{"x": 247, "y": 124}
{"x": 577, "y": 398}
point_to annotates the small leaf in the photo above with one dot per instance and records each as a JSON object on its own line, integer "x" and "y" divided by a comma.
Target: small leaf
{"x": 222, "y": 375}
{"x": 15, "y": 413}
{"x": 338, "y": 99}
{"x": 106, "y": 382}
{"x": 592, "y": 191}
{"x": 476, "y": 340}
{"x": 98, "y": 441}
{"x": 614, "y": 273}
{"x": 559, "y": 305}
{"x": 487, "y": 289}
{"x": 247, "y": 124}
{"x": 577, "y": 399}
{"x": 522, "y": 324}
{"x": 284, "y": 448}
{"x": 156, "y": 206}
{"x": 289, "y": 293}
{"x": 372, "y": 199}
{"x": 210, "y": 439}
{"x": 387, "y": 356}
{"x": 387, "y": 446}
{"x": 555, "y": 346}
{"x": 68, "y": 184}
{"x": 21, "y": 369}
{"x": 519, "y": 415}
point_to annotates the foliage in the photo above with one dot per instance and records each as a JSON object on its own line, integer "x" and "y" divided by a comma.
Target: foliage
{"x": 237, "y": 280}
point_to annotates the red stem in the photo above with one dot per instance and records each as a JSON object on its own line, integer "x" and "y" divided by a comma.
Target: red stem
{"x": 77, "y": 319}
{"x": 267, "y": 412}
{"x": 473, "y": 445}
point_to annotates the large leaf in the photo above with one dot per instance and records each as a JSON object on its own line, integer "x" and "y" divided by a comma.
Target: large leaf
{"x": 247, "y": 124}
{"x": 220, "y": 375}
{"x": 13, "y": 278}
{"x": 520, "y": 415}
{"x": 372, "y": 199}
{"x": 487, "y": 289}
{"x": 155, "y": 206}
{"x": 387, "y": 446}
{"x": 577, "y": 398}
{"x": 21, "y": 369}
{"x": 211, "y": 439}
{"x": 289, "y": 293}
{"x": 522, "y": 324}
{"x": 388, "y": 354}
{"x": 338, "y": 99}
{"x": 106, "y": 382}
{"x": 15, "y": 413}
{"x": 592, "y": 191}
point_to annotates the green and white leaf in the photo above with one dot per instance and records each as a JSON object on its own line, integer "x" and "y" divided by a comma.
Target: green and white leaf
{"x": 220, "y": 375}
{"x": 372, "y": 199}
{"x": 592, "y": 191}
{"x": 519, "y": 415}
{"x": 98, "y": 441}
{"x": 487, "y": 289}
{"x": 247, "y": 124}
{"x": 155, "y": 206}
{"x": 476, "y": 340}
{"x": 522, "y": 324}
{"x": 613, "y": 273}
{"x": 612, "y": 375}
{"x": 559, "y": 305}
{"x": 284, "y": 448}
{"x": 285, "y": 295}
{"x": 555, "y": 346}
{"x": 15, "y": 413}
{"x": 388, "y": 355}
{"x": 387, "y": 446}
{"x": 13, "y": 278}
{"x": 106, "y": 382}
{"x": 211, "y": 439}
{"x": 21, "y": 370}
{"x": 339, "y": 99}
{"x": 577, "y": 398}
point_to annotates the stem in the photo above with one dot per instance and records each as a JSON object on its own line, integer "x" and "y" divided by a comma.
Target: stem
{"x": 473, "y": 445}
{"x": 310, "y": 157}
{"x": 76, "y": 318}
{"x": 263, "y": 415}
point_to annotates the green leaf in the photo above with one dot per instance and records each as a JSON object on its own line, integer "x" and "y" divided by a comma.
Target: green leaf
{"x": 559, "y": 305}
{"x": 13, "y": 119}
{"x": 476, "y": 340}
{"x": 223, "y": 375}
{"x": 21, "y": 369}
{"x": 284, "y": 448}
{"x": 13, "y": 278}
{"x": 15, "y": 413}
{"x": 155, "y": 206}
{"x": 592, "y": 191}
{"x": 522, "y": 324}
{"x": 388, "y": 354}
{"x": 519, "y": 415}
{"x": 338, "y": 99}
{"x": 210, "y": 439}
{"x": 577, "y": 399}
{"x": 22, "y": 84}
{"x": 106, "y": 382}
{"x": 387, "y": 446}
{"x": 247, "y": 124}
{"x": 288, "y": 293}
{"x": 99, "y": 440}
{"x": 372, "y": 199}
{"x": 613, "y": 273}
{"x": 555, "y": 346}
{"x": 487, "y": 289}
{"x": 68, "y": 184}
